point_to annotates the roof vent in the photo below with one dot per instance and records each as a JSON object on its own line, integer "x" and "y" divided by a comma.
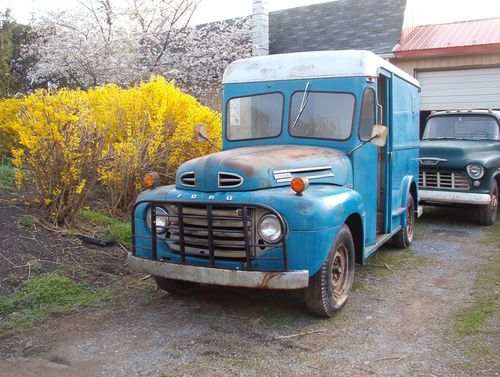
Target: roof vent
{"x": 229, "y": 180}
{"x": 188, "y": 179}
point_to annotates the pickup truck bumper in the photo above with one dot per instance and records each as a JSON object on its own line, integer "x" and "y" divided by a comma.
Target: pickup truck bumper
{"x": 221, "y": 276}
{"x": 453, "y": 197}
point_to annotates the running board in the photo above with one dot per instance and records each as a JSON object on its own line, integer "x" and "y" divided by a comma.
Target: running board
{"x": 380, "y": 240}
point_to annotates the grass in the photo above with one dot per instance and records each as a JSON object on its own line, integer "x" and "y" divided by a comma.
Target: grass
{"x": 388, "y": 259}
{"x": 281, "y": 319}
{"x": 112, "y": 229}
{"x": 27, "y": 221}
{"x": 473, "y": 320}
{"x": 38, "y": 297}
{"x": 493, "y": 236}
{"x": 478, "y": 323}
{"x": 7, "y": 176}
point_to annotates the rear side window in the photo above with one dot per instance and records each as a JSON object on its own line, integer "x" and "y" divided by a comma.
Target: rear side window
{"x": 367, "y": 117}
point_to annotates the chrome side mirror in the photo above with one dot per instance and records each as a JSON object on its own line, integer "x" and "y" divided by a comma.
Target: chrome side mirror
{"x": 379, "y": 135}
{"x": 200, "y": 133}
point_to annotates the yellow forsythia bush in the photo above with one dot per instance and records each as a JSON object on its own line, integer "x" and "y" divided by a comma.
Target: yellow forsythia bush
{"x": 71, "y": 139}
{"x": 9, "y": 109}
{"x": 61, "y": 149}
{"x": 153, "y": 128}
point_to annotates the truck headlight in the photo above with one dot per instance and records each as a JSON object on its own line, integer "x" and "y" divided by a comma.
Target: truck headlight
{"x": 475, "y": 171}
{"x": 270, "y": 228}
{"x": 162, "y": 219}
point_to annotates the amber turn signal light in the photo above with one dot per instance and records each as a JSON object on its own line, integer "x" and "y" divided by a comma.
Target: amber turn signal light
{"x": 299, "y": 184}
{"x": 151, "y": 180}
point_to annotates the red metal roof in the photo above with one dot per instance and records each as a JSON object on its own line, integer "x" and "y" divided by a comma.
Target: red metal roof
{"x": 453, "y": 38}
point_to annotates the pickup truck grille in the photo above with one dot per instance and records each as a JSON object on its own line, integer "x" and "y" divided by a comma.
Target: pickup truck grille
{"x": 228, "y": 230}
{"x": 443, "y": 180}
{"x": 210, "y": 231}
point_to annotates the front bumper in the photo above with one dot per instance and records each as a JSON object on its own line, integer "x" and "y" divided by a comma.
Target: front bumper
{"x": 453, "y": 197}
{"x": 221, "y": 276}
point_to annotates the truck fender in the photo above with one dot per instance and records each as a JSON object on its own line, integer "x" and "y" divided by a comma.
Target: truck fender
{"x": 407, "y": 185}
{"x": 354, "y": 217}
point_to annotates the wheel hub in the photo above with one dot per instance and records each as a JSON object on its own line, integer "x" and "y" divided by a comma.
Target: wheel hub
{"x": 340, "y": 270}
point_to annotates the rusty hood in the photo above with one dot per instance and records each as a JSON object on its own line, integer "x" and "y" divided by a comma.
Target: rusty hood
{"x": 259, "y": 167}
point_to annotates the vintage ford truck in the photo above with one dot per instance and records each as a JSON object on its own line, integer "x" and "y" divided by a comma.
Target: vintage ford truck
{"x": 460, "y": 161}
{"x": 319, "y": 168}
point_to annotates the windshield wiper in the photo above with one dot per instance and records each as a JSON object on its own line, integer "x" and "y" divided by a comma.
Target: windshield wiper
{"x": 303, "y": 103}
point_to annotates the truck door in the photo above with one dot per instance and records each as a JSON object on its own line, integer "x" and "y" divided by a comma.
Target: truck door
{"x": 383, "y": 117}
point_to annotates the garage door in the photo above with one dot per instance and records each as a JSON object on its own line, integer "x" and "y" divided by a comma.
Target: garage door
{"x": 460, "y": 89}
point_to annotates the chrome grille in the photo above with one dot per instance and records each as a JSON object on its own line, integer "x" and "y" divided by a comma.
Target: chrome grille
{"x": 228, "y": 231}
{"x": 316, "y": 172}
{"x": 207, "y": 230}
{"x": 229, "y": 180}
{"x": 188, "y": 179}
{"x": 443, "y": 180}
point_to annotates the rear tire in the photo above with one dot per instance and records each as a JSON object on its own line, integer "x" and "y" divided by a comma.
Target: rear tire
{"x": 329, "y": 288}
{"x": 488, "y": 214}
{"x": 174, "y": 286}
{"x": 404, "y": 237}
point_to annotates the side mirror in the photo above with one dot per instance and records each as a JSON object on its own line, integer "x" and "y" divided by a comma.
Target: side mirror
{"x": 379, "y": 135}
{"x": 200, "y": 133}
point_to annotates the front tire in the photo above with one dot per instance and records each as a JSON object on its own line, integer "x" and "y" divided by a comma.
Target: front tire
{"x": 329, "y": 288}
{"x": 488, "y": 214}
{"x": 404, "y": 237}
{"x": 174, "y": 286}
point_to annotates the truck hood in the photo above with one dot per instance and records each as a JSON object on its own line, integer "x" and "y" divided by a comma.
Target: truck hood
{"x": 458, "y": 153}
{"x": 259, "y": 167}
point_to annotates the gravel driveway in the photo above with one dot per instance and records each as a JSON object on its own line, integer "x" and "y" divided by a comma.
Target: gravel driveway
{"x": 398, "y": 322}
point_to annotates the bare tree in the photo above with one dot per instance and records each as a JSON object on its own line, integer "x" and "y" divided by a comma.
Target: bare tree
{"x": 109, "y": 41}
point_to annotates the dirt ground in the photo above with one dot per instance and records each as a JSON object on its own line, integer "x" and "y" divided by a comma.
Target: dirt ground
{"x": 28, "y": 247}
{"x": 398, "y": 321}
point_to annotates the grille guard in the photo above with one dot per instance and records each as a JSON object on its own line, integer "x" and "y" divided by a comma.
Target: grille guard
{"x": 180, "y": 216}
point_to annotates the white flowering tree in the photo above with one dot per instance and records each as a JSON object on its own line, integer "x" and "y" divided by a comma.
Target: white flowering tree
{"x": 123, "y": 42}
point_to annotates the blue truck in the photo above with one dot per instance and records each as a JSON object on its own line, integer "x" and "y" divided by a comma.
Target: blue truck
{"x": 319, "y": 168}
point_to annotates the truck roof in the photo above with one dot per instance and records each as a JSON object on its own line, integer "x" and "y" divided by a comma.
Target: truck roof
{"x": 310, "y": 65}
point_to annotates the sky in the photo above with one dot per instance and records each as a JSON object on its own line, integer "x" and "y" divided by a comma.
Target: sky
{"x": 418, "y": 11}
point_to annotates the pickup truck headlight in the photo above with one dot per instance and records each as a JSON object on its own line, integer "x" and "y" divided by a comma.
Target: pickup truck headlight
{"x": 475, "y": 171}
{"x": 162, "y": 219}
{"x": 270, "y": 228}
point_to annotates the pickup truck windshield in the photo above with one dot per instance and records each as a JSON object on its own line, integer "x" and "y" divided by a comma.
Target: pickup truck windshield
{"x": 327, "y": 115}
{"x": 471, "y": 127}
{"x": 255, "y": 117}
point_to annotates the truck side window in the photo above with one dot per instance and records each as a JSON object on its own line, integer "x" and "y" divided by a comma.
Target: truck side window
{"x": 254, "y": 117}
{"x": 367, "y": 117}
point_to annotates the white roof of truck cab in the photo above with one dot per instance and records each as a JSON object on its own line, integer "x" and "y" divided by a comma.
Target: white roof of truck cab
{"x": 310, "y": 65}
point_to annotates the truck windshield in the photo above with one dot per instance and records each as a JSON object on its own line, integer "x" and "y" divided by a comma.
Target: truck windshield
{"x": 254, "y": 117}
{"x": 327, "y": 115}
{"x": 475, "y": 127}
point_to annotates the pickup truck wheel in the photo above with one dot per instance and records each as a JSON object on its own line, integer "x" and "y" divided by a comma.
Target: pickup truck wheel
{"x": 174, "y": 286}
{"x": 404, "y": 237}
{"x": 488, "y": 214}
{"x": 329, "y": 288}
